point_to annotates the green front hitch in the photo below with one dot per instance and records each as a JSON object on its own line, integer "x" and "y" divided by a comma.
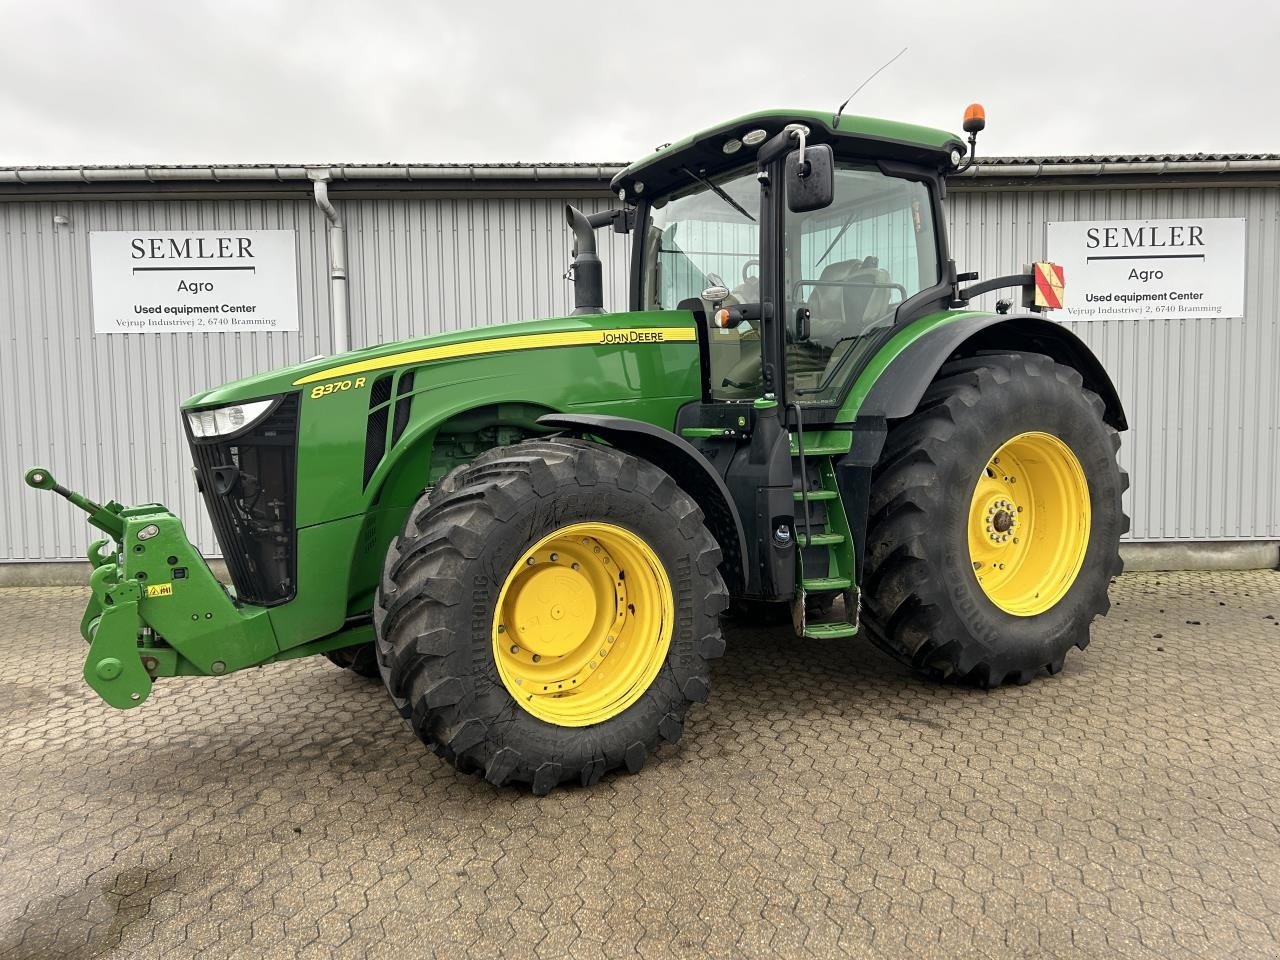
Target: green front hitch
{"x": 105, "y": 518}
{"x": 155, "y": 608}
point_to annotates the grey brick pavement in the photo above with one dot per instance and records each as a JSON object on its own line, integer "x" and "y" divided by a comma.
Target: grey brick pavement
{"x": 825, "y": 803}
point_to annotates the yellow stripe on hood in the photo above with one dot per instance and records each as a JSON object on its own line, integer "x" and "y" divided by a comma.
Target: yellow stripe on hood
{"x": 529, "y": 341}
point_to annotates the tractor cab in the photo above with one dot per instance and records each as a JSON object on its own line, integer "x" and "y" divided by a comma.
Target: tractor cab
{"x": 800, "y": 239}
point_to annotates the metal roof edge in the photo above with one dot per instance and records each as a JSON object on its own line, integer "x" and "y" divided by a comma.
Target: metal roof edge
{"x": 259, "y": 172}
{"x": 549, "y": 173}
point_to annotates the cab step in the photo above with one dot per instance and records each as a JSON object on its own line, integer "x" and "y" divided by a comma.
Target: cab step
{"x": 830, "y": 631}
{"x": 820, "y": 539}
{"x": 800, "y": 495}
{"x": 819, "y": 584}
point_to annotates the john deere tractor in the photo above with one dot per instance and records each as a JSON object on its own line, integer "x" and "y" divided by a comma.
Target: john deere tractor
{"x": 531, "y": 532}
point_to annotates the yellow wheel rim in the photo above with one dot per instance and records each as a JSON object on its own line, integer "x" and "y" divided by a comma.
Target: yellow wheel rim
{"x": 1029, "y": 524}
{"x": 583, "y": 624}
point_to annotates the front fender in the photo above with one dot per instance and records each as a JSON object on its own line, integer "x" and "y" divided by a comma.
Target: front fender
{"x": 687, "y": 467}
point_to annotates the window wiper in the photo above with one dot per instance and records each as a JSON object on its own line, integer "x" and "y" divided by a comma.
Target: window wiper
{"x": 719, "y": 193}
{"x": 847, "y": 224}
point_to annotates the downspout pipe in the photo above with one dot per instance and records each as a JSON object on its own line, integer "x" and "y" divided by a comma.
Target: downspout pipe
{"x": 337, "y": 262}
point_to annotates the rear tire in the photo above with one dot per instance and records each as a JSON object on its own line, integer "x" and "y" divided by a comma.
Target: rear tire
{"x": 923, "y": 601}
{"x": 464, "y": 548}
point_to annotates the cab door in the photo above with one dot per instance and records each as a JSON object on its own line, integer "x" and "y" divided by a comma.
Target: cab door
{"x": 847, "y": 269}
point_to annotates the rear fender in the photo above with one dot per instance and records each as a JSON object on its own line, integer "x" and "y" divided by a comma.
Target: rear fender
{"x": 898, "y": 389}
{"x": 686, "y": 466}
{"x": 896, "y": 392}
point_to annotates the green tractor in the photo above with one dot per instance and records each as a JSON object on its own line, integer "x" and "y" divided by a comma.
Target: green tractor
{"x": 531, "y": 532}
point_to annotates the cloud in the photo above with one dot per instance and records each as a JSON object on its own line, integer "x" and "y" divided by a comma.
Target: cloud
{"x": 199, "y": 82}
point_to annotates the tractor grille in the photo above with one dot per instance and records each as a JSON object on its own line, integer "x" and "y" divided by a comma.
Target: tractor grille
{"x": 248, "y": 481}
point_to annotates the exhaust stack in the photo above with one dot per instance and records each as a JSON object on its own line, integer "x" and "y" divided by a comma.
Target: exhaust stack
{"x": 587, "y": 271}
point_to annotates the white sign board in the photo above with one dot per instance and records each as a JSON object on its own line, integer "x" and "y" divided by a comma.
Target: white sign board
{"x": 194, "y": 281}
{"x": 1147, "y": 269}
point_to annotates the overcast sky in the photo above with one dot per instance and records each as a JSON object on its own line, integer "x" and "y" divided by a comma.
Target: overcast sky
{"x": 188, "y": 81}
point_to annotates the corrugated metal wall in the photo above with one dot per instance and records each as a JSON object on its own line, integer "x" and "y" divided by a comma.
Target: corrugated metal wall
{"x": 100, "y": 411}
{"x": 1202, "y": 396}
{"x": 426, "y": 266}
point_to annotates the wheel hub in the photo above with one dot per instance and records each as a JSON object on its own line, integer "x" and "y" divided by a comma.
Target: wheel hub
{"x": 554, "y": 611}
{"x": 583, "y": 624}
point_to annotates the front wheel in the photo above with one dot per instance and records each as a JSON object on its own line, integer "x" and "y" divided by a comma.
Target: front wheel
{"x": 995, "y": 522}
{"x": 549, "y": 613}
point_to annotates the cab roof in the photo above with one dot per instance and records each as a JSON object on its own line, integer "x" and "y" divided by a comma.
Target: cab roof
{"x": 704, "y": 152}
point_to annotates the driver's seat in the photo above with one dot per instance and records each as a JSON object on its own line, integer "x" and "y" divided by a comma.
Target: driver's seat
{"x": 845, "y": 310}
{"x": 871, "y": 304}
{"x": 838, "y": 312}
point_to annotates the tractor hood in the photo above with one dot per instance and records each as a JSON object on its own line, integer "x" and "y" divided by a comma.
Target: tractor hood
{"x": 525, "y": 335}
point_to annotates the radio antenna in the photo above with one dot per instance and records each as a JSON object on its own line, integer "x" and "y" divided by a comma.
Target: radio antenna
{"x": 835, "y": 121}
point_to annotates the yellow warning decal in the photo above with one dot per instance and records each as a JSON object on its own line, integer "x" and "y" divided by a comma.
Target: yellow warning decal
{"x": 529, "y": 341}
{"x": 159, "y": 589}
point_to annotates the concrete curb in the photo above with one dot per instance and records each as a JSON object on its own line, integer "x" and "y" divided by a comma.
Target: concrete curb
{"x": 1208, "y": 555}
{"x": 67, "y": 573}
{"x": 1138, "y": 558}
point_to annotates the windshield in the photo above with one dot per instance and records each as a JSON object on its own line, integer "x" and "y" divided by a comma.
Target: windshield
{"x": 698, "y": 238}
{"x": 852, "y": 264}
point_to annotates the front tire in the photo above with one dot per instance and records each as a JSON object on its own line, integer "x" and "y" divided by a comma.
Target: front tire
{"x": 995, "y": 522}
{"x": 549, "y": 613}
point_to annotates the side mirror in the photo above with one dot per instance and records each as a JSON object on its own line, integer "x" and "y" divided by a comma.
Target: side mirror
{"x": 811, "y": 184}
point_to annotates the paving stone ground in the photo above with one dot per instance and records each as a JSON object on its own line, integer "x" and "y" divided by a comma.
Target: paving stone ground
{"x": 826, "y": 803}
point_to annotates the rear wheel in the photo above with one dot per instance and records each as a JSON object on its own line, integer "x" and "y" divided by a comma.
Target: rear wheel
{"x": 549, "y": 612}
{"x": 995, "y": 522}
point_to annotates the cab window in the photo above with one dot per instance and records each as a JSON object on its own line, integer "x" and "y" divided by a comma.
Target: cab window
{"x": 704, "y": 236}
{"x": 851, "y": 264}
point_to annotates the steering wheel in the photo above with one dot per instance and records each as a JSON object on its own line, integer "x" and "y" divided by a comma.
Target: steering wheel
{"x": 747, "y": 266}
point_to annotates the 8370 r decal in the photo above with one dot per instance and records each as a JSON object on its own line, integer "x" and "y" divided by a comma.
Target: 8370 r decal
{"x": 337, "y": 386}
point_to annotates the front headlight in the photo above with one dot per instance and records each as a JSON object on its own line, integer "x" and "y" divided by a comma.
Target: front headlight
{"x": 229, "y": 419}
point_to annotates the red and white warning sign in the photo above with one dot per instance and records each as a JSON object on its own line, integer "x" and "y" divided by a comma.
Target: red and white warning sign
{"x": 1049, "y": 285}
